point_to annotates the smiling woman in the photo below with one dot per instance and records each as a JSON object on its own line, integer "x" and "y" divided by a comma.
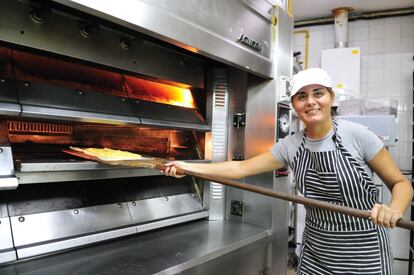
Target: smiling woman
{"x": 332, "y": 161}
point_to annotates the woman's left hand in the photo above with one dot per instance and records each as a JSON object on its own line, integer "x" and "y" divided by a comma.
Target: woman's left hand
{"x": 383, "y": 215}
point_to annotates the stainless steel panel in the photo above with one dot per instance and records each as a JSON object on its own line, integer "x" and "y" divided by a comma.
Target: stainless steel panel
{"x": 188, "y": 245}
{"x": 9, "y": 104}
{"x": 8, "y": 183}
{"x": 60, "y": 34}
{"x": 6, "y": 161}
{"x": 157, "y": 111}
{"x": 261, "y": 132}
{"x": 219, "y": 126}
{"x": 7, "y": 252}
{"x": 7, "y": 178}
{"x": 61, "y": 176}
{"x": 210, "y": 28}
{"x": 54, "y": 166}
{"x": 45, "y": 227}
{"x": 43, "y": 171}
{"x": 161, "y": 208}
{"x": 51, "y": 96}
{"x": 247, "y": 260}
{"x": 172, "y": 221}
{"x": 10, "y": 109}
{"x": 236, "y": 140}
{"x": 280, "y": 216}
{"x": 175, "y": 125}
{"x": 79, "y": 116}
{"x": 198, "y": 262}
{"x": 39, "y": 249}
{"x": 7, "y": 256}
{"x": 8, "y": 90}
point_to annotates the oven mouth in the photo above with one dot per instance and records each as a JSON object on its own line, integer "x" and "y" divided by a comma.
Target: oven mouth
{"x": 41, "y": 87}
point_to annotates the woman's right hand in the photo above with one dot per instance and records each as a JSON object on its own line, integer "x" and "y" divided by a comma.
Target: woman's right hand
{"x": 171, "y": 168}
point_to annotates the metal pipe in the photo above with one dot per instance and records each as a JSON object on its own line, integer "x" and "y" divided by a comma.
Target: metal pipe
{"x": 289, "y": 8}
{"x": 356, "y": 16}
{"x": 306, "y": 32}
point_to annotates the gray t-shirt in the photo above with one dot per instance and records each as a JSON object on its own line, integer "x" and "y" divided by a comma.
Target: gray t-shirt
{"x": 357, "y": 139}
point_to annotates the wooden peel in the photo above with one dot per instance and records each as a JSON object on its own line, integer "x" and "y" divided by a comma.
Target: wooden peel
{"x": 154, "y": 163}
{"x": 158, "y": 163}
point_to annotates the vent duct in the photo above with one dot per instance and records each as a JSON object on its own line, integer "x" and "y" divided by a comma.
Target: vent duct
{"x": 341, "y": 26}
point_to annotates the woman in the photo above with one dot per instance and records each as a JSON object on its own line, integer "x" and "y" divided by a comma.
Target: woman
{"x": 333, "y": 161}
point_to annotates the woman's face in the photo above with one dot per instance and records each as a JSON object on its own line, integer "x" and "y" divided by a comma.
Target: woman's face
{"x": 313, "y": 104}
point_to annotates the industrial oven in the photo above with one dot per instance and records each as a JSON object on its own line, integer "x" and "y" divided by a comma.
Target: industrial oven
{"x": 195, "y": 81}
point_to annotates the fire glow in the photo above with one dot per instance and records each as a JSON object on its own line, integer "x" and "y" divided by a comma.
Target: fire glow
{"x": 159, "y": 92}
{"x": 33, "y": 68}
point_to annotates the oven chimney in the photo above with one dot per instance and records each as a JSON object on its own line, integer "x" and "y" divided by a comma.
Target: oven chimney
{"x": 341, "y": 26}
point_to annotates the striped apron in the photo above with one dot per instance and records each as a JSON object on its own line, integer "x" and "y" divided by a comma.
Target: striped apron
{"x": 335, "y": 243}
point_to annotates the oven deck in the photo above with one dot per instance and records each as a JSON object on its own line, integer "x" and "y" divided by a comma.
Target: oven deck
{"x": 166, "y": 251}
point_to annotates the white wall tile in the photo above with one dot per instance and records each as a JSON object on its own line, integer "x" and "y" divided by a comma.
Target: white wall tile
{"x": 375, "y": 89}
{"x": 358, "y": 24}
{"x": 328, "y": 27}
{"x": 364, "y": 61}
{"x": 376, "y": 46}
{"x": 315, "y": 50}
{"x": 375, "y": 61}
{"x": 408, "y": 18}
{"x": 407, "y": 44}
{"x": 328, "y": 36}
{"x": 392, "y": 73}
{"x": 363, "y": 45}
{"x": 392, "y": 45}
{"x": 363, "y": 90}
{"x": 326, "y": 46}
{"x": 392, "y": 20}
{"x": 407, "y": 29}
{"x": 376, "y": 32}
{"x": 392, "y": 60}
{"x": 376, "y": 22}
{"x": 364, "y": 75}
{"x": 299, "y": 39}
{"x": 376, "y": 75}
{"x": 314, "y": 63}
{"x": 359, "y": 34}
{"x": 315, "y": 28}
{"x": 392, "y": 88}
{"x": 392, "y": 30}
{"x": 316, "y": 37}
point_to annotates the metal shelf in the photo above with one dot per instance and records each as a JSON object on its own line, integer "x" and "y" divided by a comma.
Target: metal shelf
{"x": 41, "y": 171}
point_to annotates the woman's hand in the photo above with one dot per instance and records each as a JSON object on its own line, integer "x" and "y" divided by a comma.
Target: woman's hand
{"x": 171, "y": 168}
{"x": 383, "y": 215}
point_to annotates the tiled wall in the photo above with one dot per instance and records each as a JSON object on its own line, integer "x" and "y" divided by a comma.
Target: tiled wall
{"x": 387, "y": 51}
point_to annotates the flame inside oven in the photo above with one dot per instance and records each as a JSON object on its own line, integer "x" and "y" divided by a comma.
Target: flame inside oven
{"x": 34, "y": 68}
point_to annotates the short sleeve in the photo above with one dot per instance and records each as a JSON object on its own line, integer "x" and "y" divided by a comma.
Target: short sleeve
{"x": 368, "y": 143}
{"x": 282, "y": 150}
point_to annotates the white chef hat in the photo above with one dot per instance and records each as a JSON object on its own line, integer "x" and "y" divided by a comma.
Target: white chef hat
{"x": 308, "y": 77}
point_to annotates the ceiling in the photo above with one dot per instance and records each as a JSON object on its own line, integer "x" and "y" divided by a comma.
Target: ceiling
{"x": 311, "y": 9}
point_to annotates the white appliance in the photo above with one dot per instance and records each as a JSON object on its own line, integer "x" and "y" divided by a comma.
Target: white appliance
{"x": 382, "y": 125}
{"x": 343, "y": 65}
